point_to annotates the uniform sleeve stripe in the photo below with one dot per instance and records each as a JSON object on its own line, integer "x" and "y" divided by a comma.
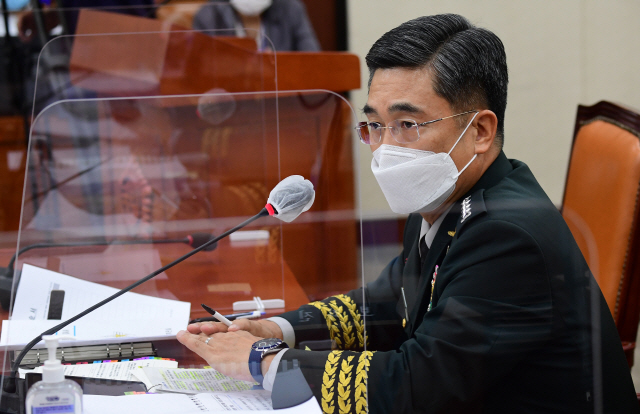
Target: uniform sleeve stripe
{"x": 344, "y": 321}
{"x": 362, "y": 376}
{"x": 328, "y": 381}
{"x": 332, "y": 324}
{"x": 344, "y": 387}
{"x": 355, "y": 316}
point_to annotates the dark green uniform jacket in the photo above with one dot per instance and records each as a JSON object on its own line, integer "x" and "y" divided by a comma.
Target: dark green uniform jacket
{"x": 516, "y": 324}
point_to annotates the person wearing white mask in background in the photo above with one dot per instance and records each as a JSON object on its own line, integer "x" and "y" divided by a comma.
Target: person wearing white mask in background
{"x": 490, "y": 306}
{"x": 282, "y": 25}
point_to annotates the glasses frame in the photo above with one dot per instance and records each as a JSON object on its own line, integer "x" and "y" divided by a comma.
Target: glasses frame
{"x": 398, "y": 134}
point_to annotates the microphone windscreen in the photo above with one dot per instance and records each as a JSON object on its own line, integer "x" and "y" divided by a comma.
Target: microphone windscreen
{"x": 216, "y": 106}
{"x": 198, "y": 239}
{"x": 291, "y": 197}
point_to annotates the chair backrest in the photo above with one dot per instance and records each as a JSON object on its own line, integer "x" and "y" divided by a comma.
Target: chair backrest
{"x": 601, "y": 205}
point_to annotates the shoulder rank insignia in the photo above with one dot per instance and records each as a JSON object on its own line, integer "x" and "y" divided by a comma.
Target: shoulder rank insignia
{"x": 470, "y": 207}
{"x": 466, "y": 209}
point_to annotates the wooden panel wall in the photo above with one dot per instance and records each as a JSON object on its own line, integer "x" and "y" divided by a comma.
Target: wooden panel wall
{"x": 12, "y": 162}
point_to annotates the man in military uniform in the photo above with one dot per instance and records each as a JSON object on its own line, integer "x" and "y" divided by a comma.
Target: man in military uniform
{"x": 490, "y": 307}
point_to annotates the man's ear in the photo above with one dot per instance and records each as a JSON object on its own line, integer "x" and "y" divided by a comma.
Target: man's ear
{"x": 486, "y": 124}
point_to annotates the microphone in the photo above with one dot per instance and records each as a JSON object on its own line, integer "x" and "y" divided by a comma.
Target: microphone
{"x": 194, "y": 240}
{"x": 290, "y": 198}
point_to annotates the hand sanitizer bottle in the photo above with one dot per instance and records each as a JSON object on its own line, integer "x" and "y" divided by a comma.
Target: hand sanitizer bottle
{"x": 54, "y": 394}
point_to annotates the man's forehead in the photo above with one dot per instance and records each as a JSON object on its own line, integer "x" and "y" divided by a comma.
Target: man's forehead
{"x": 401, "y": 90}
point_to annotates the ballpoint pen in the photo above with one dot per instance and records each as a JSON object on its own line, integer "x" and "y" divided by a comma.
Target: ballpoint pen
{"x": 216, "y": 315}
{"x": 234, "y": 316}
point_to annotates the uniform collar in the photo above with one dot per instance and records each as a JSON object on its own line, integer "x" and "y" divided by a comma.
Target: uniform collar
{"x": 494, "y": 174}
{"x": 429, "y": 230}
{"x": 472, "y": 203}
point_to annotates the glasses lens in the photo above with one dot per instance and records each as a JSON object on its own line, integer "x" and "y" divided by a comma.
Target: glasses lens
{"x": 363, "y": 132}
{"x": 404, "y": 130}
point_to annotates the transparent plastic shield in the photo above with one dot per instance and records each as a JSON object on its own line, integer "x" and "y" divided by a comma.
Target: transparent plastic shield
{"x": 84, "y": 53}
{"x": 153, "y": 169}
{"x": 160, "y": 173}
{"x": 121, "y": 52}
{"x": 147, "y": 138}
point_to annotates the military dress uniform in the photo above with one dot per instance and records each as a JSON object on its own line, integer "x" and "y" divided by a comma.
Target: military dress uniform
{"x": 501, "y": 316}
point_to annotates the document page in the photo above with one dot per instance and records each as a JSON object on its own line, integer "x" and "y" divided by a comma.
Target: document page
{"x": 250, "y": 401}
{"x": 130, "y": 317}
{"x": 191, "y": 381}
{"x": 188, "y": 404}
{"x": 34, "y": 291}
{"x": 110, "y": 370}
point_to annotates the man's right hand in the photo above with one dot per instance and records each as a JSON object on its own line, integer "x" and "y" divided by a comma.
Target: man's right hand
{"x": 261, "y": 328}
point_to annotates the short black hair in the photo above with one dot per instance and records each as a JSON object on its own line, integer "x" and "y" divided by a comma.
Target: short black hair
{"x": 468, "y": 63}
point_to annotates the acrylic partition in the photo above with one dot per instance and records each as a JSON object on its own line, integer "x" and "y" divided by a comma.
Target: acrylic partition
{"x": 145, "y": 144}
{"x": 117, "y": 52}
{"x": 45, "y": 64}
{"x": 103, "y": 210}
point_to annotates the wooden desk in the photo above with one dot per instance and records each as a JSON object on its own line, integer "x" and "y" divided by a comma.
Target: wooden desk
{"x": 198, "y": 280}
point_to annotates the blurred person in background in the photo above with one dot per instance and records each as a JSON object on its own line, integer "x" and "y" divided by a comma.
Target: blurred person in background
{"x": 283, "y": 22}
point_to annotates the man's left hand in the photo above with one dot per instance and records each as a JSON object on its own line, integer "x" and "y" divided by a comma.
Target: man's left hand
{"x": 227, "y": 352}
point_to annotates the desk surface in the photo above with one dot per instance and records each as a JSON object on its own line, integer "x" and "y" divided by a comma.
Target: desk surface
{"x": 218, "y": 278}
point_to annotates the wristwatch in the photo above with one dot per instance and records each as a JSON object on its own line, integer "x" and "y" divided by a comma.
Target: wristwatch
{"x": 258, "y": 350}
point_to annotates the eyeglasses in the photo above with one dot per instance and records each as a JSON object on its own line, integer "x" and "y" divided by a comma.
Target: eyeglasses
{"x": 402, "y": 130}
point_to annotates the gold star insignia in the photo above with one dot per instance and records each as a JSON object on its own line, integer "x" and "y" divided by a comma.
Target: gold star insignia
{"x": 452, "y": 233}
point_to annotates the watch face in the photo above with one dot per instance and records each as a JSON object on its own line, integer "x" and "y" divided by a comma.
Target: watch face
{"x": 266, "y": 343}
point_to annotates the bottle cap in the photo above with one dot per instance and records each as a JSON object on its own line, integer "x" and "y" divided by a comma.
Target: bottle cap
{"x": 53, "y": 371}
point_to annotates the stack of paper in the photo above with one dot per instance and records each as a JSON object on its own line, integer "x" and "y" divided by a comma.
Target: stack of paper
{"x": 129, "y": 318}
{"x": 121, "y": 371}
{"x": 185, "y": 404}
{"x": 189, "y": 381}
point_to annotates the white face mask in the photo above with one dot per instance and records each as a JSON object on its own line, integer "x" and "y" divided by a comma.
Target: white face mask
{"x": 250, "y": 7}
{"x": 416, "y": 181}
